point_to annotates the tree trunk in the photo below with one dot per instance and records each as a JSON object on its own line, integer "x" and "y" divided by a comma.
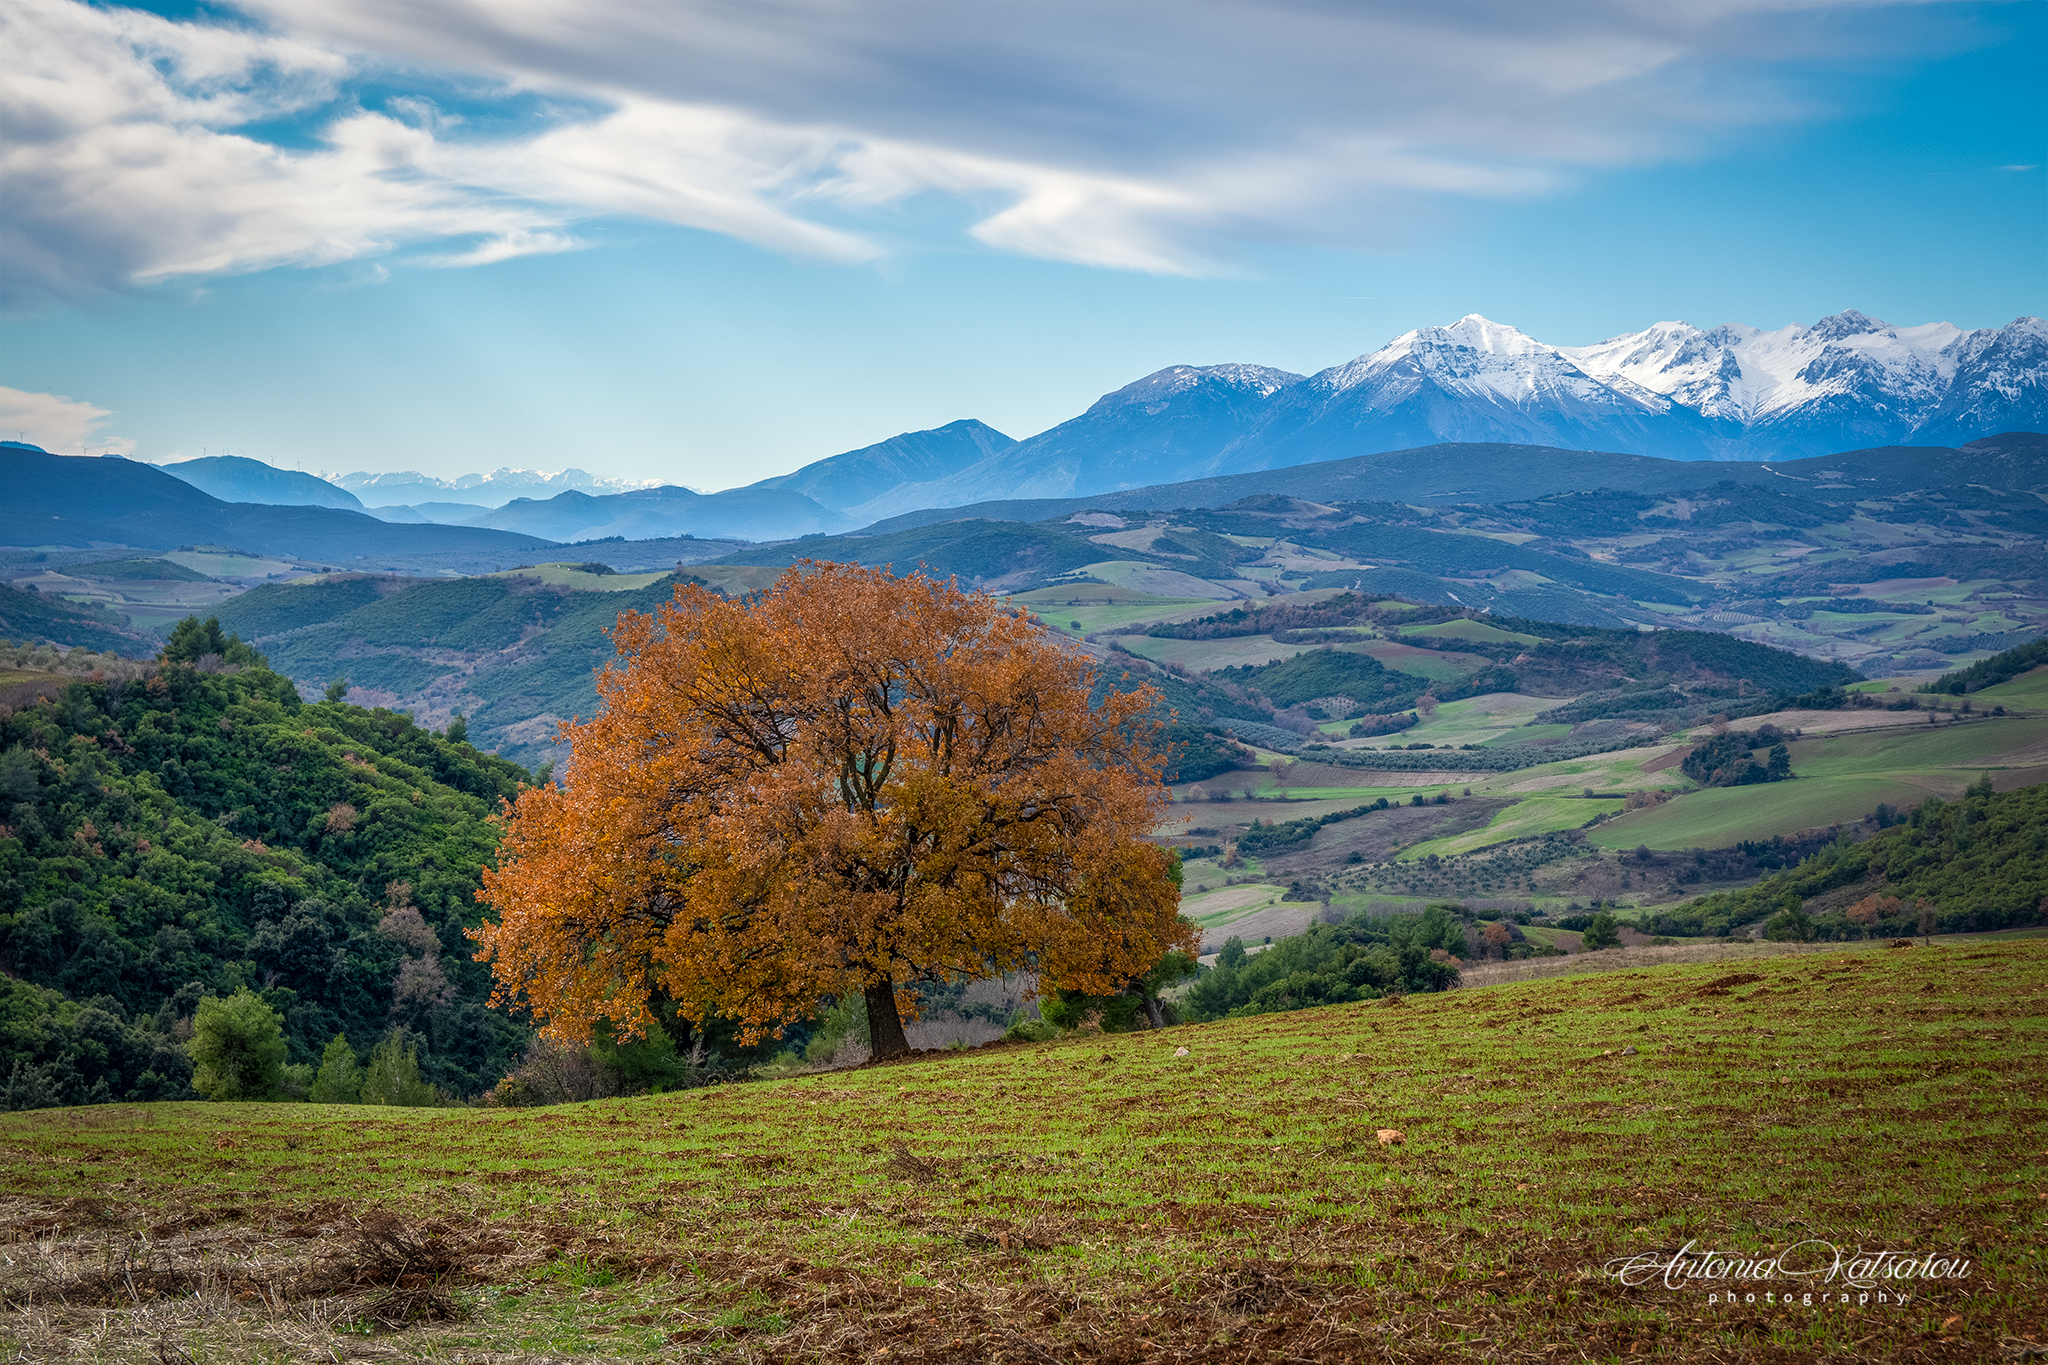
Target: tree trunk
{"x": 885, "y": 1025}
{"x": 1153, "y": 1013}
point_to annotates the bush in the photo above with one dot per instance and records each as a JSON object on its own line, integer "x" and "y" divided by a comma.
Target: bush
{"x": 238, "y": 1048}
{"x": 1601, "y": 932}
{"x": 1361, "y": 959}
{"x": 844, "y": 1027}
{"x": 1790, "y": 925}
{"x": 1030, "y": 1031}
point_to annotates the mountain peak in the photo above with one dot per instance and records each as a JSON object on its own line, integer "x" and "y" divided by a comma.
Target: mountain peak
{"x": 1260, "y": 380}
{"x": 1848, "y": 323}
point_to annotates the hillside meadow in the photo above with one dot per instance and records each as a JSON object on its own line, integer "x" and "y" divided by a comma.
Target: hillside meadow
{"x": 1449, "y": 1177}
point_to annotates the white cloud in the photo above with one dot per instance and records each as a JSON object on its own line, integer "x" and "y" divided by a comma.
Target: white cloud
{"x": 1109, "y": 132}
{"x": 67, "y": 426}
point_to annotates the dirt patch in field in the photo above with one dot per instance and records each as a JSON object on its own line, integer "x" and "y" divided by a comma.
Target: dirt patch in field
{"x": 1376, "y": 837}
{"x": 1671, "y": 759}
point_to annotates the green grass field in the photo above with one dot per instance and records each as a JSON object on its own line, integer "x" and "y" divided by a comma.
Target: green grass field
{"x": 571, "y": 576}
{"x": 2028, "y": 689}
{"x": 1724, "y": 816}
{"x": 1099, "y": 606}
{"x": 1537, "y": 815}
{"x": 1471, "y": 630}
{"x": 1203, "y": 655}
{"x": 1446, "y": 1178}
{"x": 1435, "y": 665}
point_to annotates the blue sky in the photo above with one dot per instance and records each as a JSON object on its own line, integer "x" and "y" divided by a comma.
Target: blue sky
{"x": 708, "y": 242}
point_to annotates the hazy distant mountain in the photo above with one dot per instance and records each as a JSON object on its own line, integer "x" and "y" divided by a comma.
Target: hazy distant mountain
{"x": 857, "y": 481}
{"x": 233, "y": 478}
{"x": 407, "y": 487}
{"x": 434, "y": 513}
{"x": 656, "y": 513}
{"x": 68, "y": 500}
{"x": 1172, "y": 424}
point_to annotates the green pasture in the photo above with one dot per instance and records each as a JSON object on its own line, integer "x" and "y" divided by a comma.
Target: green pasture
{"x": 1497, "y": 717}
{"x": 1620, "y": 770}
{"x": 1524, "y": 819}
{"x": 1446, "y": 1177}
{"x": 1142, "y": 575}
{"x": 1564, "y": 940}
{"x": 1837, "y": 778}
{"x": 1214, "y": 909}
{"x": 1471, "y": 630}
{"x": 1435, "y": 665}
{"x": 1529, "y": 734}
{"x": 1722, "y": 816}
{"x": 1931, "y": 751}
{"x": 215, "y": 565}
{"x": 1099, "y": 606}
{"x": 2028, "y": 689}
{"x": 570, "y": 576}
{"x": 1202, "y": 656}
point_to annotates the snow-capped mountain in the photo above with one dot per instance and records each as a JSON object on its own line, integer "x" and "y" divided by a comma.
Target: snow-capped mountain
{"x": 1475, "y": 380}
{"x": 1672, "y": 390}
{"x": 1173, "y": 424}
{"x": 1846, "y": 381}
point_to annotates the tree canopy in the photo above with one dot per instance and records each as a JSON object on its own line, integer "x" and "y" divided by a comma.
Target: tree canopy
{"x": 845, "y": 785}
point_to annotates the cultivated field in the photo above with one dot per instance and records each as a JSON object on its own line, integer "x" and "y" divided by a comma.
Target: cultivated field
{"x": 1231, "y": 1192}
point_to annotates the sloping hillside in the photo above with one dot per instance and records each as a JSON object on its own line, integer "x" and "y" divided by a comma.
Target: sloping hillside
{"x": 205, "y": 831}
{"x": 1451, "y": 1177}
{"x": 514, "y": 653}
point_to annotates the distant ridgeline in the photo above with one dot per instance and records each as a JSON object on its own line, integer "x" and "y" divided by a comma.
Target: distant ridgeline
{"x": 202, "y": 831}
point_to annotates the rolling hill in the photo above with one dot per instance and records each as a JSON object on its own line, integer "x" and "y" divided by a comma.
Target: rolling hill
{"x": 55, "y": 500}
{"x": 234, "y": 478}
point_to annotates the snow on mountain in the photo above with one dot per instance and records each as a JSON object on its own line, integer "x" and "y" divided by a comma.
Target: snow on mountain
{"x": 1672, "y": 390}
{"x": 1750, "y": 376}
{"x": 1492, "y": 362}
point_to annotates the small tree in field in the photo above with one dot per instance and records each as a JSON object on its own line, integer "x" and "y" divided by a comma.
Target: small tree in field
{"x": 237, "y": 1048}
{"x": 1603, "y": 932}
{"x": 850, "y": 783}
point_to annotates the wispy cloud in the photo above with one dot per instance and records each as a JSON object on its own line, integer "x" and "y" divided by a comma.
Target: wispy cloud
{"x": 66, "y": 425}
{"x": 1107, "y": 132}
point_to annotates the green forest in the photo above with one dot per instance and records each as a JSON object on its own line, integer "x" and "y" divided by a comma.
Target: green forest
{"x": 204, "y": 832}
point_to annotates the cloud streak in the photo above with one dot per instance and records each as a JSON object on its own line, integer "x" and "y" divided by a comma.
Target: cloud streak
{"x": 1122, "y": 135}
{"x": 54, "y": 422}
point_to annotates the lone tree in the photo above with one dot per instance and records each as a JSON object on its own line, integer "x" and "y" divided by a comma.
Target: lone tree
{"x": 845, "y": 785}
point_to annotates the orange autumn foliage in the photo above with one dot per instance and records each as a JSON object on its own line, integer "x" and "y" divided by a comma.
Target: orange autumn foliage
{"x": 842, "y": 785}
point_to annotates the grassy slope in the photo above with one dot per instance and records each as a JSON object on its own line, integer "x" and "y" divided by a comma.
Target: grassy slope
{"x": 568, "y": 575}
{"x": 2028, "y": 689}
{"x": 1229, "y": 1205}
{"x": 1840, "y": 778}
{"x": 1537, "y": 815}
